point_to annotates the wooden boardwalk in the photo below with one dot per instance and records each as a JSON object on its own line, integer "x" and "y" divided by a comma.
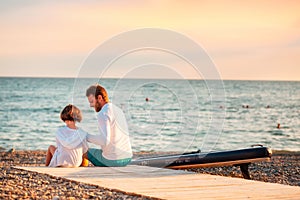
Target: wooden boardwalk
{"x": 172, "y": 184}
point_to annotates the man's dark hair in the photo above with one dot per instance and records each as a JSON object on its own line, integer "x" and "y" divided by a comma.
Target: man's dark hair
{"x": 97, "y": 90}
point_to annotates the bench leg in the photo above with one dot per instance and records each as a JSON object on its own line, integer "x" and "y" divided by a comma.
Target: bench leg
{"x": 245, "y": 170}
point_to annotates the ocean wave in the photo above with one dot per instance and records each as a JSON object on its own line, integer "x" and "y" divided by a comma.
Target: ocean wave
{"x": 31, "y": 113}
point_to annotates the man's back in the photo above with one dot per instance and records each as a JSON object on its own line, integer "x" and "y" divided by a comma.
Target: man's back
{"x": 114, "y": 133}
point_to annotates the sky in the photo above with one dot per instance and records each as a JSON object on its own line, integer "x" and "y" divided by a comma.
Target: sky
{"x": 246, "y": 40}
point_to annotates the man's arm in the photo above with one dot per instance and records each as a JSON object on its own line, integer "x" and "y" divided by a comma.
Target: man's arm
{"x": 103, "y": 137}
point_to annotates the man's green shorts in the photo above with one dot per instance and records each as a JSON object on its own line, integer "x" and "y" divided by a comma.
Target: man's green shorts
{"x": 96, "y": 158}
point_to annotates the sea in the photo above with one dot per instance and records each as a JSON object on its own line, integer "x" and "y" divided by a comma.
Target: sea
{"x": 162, "y": 115}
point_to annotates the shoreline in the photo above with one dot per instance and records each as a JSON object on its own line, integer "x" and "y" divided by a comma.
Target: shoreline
{"x": 277, "y": 152}
{"x": 284, "y": 168}
{"x": 274, "y": 151}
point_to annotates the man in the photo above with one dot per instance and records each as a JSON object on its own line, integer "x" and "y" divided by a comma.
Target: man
{"x": 113, "y": 136}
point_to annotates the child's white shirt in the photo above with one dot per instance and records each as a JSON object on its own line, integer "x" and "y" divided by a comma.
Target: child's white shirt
{"x": 71, "y": 145}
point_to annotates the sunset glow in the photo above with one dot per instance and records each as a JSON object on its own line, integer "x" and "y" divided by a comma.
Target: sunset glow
{"x": 252, "y": 40}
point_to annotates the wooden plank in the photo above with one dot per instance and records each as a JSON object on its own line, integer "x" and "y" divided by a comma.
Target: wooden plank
{"x": 172, "y": 184}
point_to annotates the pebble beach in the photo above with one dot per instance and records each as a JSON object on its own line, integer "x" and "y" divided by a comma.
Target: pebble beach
{"x": 284, "y": 168}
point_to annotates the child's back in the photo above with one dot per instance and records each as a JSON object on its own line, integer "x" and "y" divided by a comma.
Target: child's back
{"x": 71, "y": 145}
{"x": 70, "y": 140}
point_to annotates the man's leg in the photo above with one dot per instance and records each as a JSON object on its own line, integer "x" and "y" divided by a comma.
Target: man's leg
{"x": 95, "y": 157}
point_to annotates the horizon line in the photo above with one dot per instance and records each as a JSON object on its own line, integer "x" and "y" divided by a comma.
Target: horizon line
{"x": 141, "y": 78}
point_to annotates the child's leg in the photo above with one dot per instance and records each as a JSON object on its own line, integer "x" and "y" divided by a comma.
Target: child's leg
{"x": 85, "y": 161}
{"x": 49, "y": 155}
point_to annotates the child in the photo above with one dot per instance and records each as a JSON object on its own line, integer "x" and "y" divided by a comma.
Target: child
{"x": 70, "y": 140}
